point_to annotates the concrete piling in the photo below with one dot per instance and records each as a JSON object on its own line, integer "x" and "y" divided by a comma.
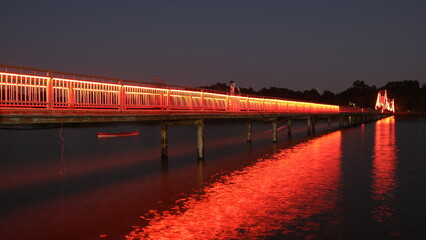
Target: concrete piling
{"x": 164, "y": 140}
{"x": 200, "y": 139}
{"x": 289, "y": 126}
{"x": 274, "y": 130}
{"x": 248, "y": 129}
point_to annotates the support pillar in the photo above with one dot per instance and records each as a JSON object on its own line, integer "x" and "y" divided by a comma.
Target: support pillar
{"x": 200, "y": 139}
{"x": 200, "y": 174}
{"x": 289, "y": 126}
{"x": 274, "y": 130}
{"x": 329, "y": 123}
{"x": 340, "y": 121}
{"x": 309, "y": 122}
{"x": 313, "y": 124}
{"x": 248, "y": 130}
{"x": 164, "y": 141}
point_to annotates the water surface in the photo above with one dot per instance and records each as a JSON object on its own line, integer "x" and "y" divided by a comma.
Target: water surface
{"x": 356, "y": 183}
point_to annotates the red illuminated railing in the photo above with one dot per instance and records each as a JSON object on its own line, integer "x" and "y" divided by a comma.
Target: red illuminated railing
{"x": 43, "y": 89}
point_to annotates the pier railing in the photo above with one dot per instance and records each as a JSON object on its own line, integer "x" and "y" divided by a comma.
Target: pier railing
{"x": 32, "y": 88}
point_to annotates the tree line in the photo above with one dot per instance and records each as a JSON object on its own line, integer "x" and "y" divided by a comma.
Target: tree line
{"x": 408, "y": 94}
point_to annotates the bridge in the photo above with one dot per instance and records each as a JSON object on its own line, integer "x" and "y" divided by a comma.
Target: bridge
{"x": 35, "y": 96}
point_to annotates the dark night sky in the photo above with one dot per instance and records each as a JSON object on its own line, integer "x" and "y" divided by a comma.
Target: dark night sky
{"x": 298, "y": 45}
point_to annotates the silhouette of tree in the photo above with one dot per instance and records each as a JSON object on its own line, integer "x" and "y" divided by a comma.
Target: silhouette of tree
{"x": 422, "y": 99}
{"x": 406, "y": 94}
{"x": 248, "y": 91}
{"x": 329, "y": 97}
{"x": 359, "y": 94}
{"x": 312, "y": 95}
{"x": 217, "y": 86}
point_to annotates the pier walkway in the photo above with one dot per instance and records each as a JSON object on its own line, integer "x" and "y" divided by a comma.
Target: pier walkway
{"x": 34, "y": 96}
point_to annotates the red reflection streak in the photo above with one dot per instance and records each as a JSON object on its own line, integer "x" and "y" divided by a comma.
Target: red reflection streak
{"x": 384, "y": 167}
{"x": 275, "y": 193}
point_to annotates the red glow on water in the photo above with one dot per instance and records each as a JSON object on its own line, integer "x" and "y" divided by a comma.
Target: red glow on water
{"x": 384, "y": 168}
{"x": 281, "y": 194}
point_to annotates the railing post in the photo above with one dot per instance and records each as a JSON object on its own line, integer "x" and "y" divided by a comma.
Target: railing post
{"x": 49, "y": 91}
{"x": 71, "y": 97}
{"x": 162, "y": 100}
{"x": 227, "y": 107}
{"x": 121, "y": 97}
{"x": 168, "y": 98}
{"x": 202, "y": 99}
{"x": 248, "y": 104}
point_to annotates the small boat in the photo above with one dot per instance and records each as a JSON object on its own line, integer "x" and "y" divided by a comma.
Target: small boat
{"x": 125, "y": 134}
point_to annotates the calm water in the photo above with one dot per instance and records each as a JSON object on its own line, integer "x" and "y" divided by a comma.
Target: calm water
{"x": 365, "y": 182}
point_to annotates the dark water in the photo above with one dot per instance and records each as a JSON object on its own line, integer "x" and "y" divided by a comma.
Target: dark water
{"x": 366, "y": 182}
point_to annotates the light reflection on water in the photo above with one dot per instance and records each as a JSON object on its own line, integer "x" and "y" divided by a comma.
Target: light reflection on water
{"x": 384, "y": 170}
{"x": 283, "y": 194}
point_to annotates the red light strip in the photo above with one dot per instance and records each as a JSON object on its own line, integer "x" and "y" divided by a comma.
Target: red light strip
{"x": 87, "y": 82}
{"x": 23, "y": 75}
{"x": 237, "y": 102}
